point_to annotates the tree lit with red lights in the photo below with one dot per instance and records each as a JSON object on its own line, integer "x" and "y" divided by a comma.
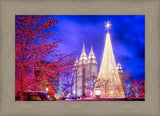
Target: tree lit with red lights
{"x": 34, "y": 42}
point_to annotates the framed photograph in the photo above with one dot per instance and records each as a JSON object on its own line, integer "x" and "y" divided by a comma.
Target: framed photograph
{"x": 80, "y": 58}
{"x": 51, "y": 69}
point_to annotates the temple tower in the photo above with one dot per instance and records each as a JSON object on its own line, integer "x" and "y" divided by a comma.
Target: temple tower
{"x": 85, "y": 73}
{"x": 121, "y": 73}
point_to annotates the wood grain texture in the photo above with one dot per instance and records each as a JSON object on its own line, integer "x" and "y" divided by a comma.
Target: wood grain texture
{"x": 149, "y": 8}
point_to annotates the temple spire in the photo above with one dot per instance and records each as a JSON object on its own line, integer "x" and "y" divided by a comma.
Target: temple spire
{"x": 91, "y": 54}
{"x": 76, "y": 62}
{"x": 83, "y": 50}
{"x": 119, "y": 67}
{"x": 83, "y": 54}
{"x": 91, "y": 49}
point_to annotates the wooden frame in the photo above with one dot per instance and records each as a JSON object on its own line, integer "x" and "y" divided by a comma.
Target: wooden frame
{"x": 149, "y": 8}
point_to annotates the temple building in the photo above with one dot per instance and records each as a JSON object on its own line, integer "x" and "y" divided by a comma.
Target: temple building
{"x": 85, "y": 73}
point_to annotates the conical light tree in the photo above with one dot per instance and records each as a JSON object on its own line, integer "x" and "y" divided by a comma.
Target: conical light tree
{"x": 108, "y": 80}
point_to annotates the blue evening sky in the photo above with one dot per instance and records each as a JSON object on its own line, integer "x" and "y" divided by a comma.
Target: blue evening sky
{"x": 127, "y": 37}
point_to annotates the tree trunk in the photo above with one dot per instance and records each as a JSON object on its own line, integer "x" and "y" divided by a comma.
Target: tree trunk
{"x": 21, "y": 86}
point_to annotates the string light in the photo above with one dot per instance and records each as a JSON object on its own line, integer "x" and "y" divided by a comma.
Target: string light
{"x": 108, "y": 73}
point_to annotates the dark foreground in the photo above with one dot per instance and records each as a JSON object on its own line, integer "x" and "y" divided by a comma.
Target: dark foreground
{"x": 106, "y": 99}
{"x": 43, "y": 96}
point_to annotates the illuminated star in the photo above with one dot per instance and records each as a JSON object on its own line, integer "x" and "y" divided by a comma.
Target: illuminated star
{"x": 107, "y": 25}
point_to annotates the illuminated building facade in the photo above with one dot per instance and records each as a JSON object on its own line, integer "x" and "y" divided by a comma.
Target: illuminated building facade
{"x": 85, "y": 73}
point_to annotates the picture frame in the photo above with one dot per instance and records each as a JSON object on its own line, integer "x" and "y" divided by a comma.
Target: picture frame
{"x": 149, "y": 8}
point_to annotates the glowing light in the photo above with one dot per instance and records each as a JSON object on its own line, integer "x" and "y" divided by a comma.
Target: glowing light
{"x": 98, "y": 92}
{"x": 46, "y": 89}
{"x": 74, "y": 92}
{"x": 107, "y": 75}
{"x": 68, "y": 95}
{"x": 107, "y": 24}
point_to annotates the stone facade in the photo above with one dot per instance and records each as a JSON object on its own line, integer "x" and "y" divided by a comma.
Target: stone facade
{"x": 85, "y": 73}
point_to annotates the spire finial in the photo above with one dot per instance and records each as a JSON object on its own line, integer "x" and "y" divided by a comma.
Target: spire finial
{"x": 83, "y": 55}
{"x": 76, "y": 61}
{"x": 91, "y": 48}
{"x": 91, "y": 54}
{"x": 83, "y": 50}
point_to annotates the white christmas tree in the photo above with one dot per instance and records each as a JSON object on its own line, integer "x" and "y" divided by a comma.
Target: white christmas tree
{"x": 108, "y": 78}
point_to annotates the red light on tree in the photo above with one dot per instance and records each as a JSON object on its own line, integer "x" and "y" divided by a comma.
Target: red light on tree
{"x": 33, "y": 43}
